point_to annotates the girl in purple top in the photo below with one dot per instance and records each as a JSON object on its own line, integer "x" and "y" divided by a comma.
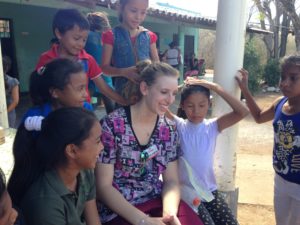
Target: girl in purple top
{"x": 140, "y": 144}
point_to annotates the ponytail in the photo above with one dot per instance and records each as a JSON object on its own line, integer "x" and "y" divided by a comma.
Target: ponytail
{"x": 26, "y": 168}
{"x": 37, "y": 152}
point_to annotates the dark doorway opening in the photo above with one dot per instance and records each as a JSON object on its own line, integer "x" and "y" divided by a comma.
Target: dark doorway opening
{"x": 8, "y": 44}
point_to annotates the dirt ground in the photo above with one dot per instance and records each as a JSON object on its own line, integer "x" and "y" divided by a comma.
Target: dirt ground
{"x": 254, "y": 176}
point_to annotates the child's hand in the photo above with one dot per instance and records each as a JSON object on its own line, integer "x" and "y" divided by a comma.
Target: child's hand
{"x": 242, "y": 79}
{"x": 131, "y": 74}
{"x": 202, "y": 82}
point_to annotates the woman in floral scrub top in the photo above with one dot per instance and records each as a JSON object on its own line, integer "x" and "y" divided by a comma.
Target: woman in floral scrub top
{"x": 140, "y": 144}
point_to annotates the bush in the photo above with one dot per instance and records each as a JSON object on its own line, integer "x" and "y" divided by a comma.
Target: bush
{"x": 272, "y": 72}
{"x": 253, "y": 65}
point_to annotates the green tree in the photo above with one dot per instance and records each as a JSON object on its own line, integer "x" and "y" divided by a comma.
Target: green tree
{"x": 272, "y": 72}
{"x": 253, "y": 65}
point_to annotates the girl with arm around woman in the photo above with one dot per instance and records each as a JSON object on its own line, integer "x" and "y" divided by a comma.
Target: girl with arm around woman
{"x": 198, "y": 137}
{"x": 140, "y": 144}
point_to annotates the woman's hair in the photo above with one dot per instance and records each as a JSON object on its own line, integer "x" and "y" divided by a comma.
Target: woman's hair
{"x": 148, "y": 72}
{"x": 54, "y": 75}
{"x": 35, "y": 154}
{"x": 289, "y": 61}
{"x": 121, "y": 5}
{"x": 66, "y": 19}
{"x": 98, "y": 21}
{"x": 186, "y": 92}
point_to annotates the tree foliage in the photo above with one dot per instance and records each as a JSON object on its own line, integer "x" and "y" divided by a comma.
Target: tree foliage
{"x": 252, "y": 64}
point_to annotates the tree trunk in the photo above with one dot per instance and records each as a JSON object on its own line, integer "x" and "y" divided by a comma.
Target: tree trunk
{"x": 285, "y": 25}
{"x": 289, "y": 7}
{"x": 297, "y": 39}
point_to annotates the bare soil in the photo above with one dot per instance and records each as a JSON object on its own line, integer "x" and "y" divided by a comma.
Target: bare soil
{"x": 254, "y": 168}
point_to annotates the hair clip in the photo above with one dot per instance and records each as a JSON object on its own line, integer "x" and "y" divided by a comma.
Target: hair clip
{"x": 33, "y": 123}
{"x": 41, "y": 70}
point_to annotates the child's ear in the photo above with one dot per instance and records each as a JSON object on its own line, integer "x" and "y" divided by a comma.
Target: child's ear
{"x": 58, "y": 35}
{"x": 53, "y": 92}
{"x": 70, "y": 151}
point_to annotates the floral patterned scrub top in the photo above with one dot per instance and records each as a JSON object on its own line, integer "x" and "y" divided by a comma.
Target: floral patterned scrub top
{"x": 137, "y": 179}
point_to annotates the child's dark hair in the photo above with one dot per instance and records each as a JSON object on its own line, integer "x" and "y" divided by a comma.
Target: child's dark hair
{"x": 289, "y": 61}
{"x": 186, "y": 92}
{"x": 148, "y": 72}
{"x": 6, "y": 61}
{"x": 54, "y": 75}
{"x": 66, "y": 19}
{"x": 34, "y": 155}
{"x": 121, "y": 5}
{"x": 98, "y": 21}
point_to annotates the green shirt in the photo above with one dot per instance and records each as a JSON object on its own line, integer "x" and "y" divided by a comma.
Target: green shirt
{"x": 49, "y": 202}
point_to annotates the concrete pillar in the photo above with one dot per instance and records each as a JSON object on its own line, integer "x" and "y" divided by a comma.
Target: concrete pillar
{"x": 3, "y": 108}
{"x": 181, "y": 47}
{"x": 230, "y": 38}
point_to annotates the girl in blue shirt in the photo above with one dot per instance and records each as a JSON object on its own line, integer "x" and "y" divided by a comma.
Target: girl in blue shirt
{"x": 285, "y": 113}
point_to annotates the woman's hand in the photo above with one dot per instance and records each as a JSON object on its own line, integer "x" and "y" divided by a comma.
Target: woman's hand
{"x": 166, "y": 220}
{"x": 242, "y": 79}
{"x": 175, "y": 221}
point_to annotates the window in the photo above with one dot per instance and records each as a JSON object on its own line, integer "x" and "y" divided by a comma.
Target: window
{"x": 4, "y": 29}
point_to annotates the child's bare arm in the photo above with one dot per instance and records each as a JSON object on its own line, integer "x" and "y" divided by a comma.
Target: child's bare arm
{"x": 108, "y": 92}
{"x": 154, "y": 53}
{"x": 259, "y": 115}
{"x": 129, "y": 72}
{"x": 228, "y": 119}
{"x": 231, "y": 118}
{"x": 169, "y": 115}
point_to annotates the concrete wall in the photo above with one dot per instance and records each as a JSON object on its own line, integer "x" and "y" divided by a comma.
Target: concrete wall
{"x": 32, "y": 31}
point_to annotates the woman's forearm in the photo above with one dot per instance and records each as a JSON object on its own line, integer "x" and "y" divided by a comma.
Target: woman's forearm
{"x": 170, "y": 198}
{"x": 112, "y": 198}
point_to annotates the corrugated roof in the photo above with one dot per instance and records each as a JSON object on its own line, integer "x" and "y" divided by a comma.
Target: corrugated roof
{"x": 195, "y": 21}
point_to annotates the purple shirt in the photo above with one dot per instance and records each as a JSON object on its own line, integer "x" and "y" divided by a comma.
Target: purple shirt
{"x": 137, "y": 179}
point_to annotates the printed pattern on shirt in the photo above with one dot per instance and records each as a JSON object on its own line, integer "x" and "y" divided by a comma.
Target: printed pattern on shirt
{"x": 137, "y": 179}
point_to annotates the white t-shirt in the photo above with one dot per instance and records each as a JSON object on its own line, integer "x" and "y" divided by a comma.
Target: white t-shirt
{"x": 198, "y": 146}
{"x": 172, "y": 56}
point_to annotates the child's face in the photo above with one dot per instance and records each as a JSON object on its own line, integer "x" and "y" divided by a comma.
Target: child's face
{"x": 72, "y": 41}
{"x": 134, "y": 13}
{"x": 195, "y": 107}
{"x": 161, "y": 94}
{"x": 8, "y": 215}
{"x": 87, "y": 153}
{"x": 290, "y": 82}
{"x": 74, "y": 93}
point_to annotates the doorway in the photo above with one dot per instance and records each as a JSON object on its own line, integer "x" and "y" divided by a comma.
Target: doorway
{"x": 8, "y": 45}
